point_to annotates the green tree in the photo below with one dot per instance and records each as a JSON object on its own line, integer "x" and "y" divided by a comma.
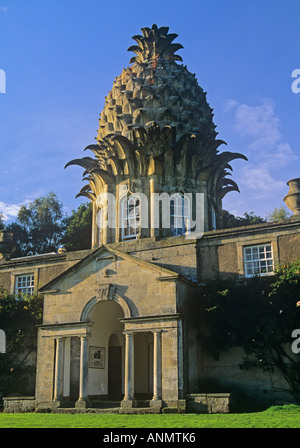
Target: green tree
{"x": 230, "y": 220}
{"x": 1, "y": 222}
{"x": 18, "y": 318}
{"x": 279, "y": 214}
{"x": 39, "y": 226}
{"x": 78, "y": 233}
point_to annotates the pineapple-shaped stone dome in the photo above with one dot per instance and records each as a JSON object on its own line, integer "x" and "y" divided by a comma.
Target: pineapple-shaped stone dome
{"x": 156, "y": 133}
{"x": 155, "y": 89}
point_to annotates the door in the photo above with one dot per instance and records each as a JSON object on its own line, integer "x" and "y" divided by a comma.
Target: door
{"x": 115, "y": 372}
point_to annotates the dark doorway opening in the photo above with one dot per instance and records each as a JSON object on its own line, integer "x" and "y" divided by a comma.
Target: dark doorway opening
{"x": 114, "y": 369}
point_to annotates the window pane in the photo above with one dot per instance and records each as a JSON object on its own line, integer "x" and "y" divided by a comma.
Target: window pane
{"x": 24, "y": 284}
{"x": 130, "y": 217}
{"x": 249, "y": 269}
{"x": 179, "y": 215}
{"x": 258, "y": 260}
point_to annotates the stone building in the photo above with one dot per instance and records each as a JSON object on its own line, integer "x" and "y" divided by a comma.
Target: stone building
{"x": 117, "y": 317}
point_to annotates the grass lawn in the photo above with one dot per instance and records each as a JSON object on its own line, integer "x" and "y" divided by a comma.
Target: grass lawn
{"x": 274, "y": 417}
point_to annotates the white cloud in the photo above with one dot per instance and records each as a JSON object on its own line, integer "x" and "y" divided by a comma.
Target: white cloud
{"x": 3, "y": 9}
{"x": 259, "y": 181}
{"x": 265, "y": 148}
{"x": 10, "y": 211}
{"x": 230, "y": 104}
{"x": 259, "y": 123}
{"x": 261, "y": 127}
{"x": 281, "y": 156}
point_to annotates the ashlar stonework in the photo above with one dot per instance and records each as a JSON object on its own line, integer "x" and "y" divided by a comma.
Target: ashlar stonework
{"x": 119, "y": 332}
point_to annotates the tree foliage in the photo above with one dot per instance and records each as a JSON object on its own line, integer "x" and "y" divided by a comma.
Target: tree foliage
{"x": 78, "y": 233}
{"x": 258, "y": 314}
{"x": 18, "y": 318}
{"x": 279, "y": 214}
{"x": 39, "y": 226}
{"x": 42, "y": 227}
{"x": 230, "y": 220}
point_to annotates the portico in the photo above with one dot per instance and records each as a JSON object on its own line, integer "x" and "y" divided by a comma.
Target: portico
{"x": 126, "y": 343}
{"x": 62, "y": 342}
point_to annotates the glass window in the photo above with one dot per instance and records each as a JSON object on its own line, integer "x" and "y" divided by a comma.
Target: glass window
{"x": 24, "y": 284}
{"x": 258, "y": 260}
{"x": 180, "y": 215}
{"x": 130, "y": 217}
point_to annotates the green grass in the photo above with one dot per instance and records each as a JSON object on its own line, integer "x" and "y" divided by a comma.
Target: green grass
{"x": 274, "y": 417}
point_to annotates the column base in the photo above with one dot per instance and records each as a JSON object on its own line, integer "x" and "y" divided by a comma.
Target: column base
{"x": 81, "y": 404}
{"x": 128, "y": 404}
{"x": 55, "y": 404}
{"x": 155, "y": 403}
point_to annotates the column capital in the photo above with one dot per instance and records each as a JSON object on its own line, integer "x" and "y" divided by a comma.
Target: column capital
{"x": 129, "y": 332}
{"x": 59, "y": 338}
{"x": 84, "y": 337}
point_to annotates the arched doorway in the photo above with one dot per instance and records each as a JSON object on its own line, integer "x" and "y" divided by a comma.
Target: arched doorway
{"x": 106, "y": 351}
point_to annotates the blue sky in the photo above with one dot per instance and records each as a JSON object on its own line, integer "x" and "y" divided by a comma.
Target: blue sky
{"x": 60, "y": 59}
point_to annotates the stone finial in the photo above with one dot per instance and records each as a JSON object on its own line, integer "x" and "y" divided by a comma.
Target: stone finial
{"x": 7, "y": 244}
{"x": 292, "y": 199}
{"x": 155, "y": 43}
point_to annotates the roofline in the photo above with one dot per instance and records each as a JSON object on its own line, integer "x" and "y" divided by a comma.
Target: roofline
{"x": 292, "y": 222}
{"x": 31, "y": 259}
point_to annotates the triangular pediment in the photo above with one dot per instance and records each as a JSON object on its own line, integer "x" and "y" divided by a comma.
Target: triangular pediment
{"x": 107, "y": 255}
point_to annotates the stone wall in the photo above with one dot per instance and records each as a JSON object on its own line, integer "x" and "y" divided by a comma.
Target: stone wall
{"x": 18, "y": 404}
{"x": 221, "y": 251}
{"x": 208, "y": 403}
{"x": 176, "y": 253}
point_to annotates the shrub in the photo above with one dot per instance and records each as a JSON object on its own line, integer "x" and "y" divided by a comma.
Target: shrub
{"x": 19, "y": 316}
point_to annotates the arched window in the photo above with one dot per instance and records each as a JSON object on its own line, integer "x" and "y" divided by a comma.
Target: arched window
{"x": 180, "y": 215}
{"x": 130, "y": 217}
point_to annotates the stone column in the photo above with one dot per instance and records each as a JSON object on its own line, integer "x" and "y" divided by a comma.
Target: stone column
{"x": 155, "y": 229}
{"x": 203, "y": 189}
{"x": 152, "y": 208}
{"x": 59, "y": 370}
{"x": 84, "y": 370}
{"x": 104, "y": 217}
{"x": 128, "y": 400}
{"x": 95, "y": 228}
{"x": 157, "y": 371}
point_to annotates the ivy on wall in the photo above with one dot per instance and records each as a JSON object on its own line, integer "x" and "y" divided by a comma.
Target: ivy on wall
{"x": 258, "y": 314}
